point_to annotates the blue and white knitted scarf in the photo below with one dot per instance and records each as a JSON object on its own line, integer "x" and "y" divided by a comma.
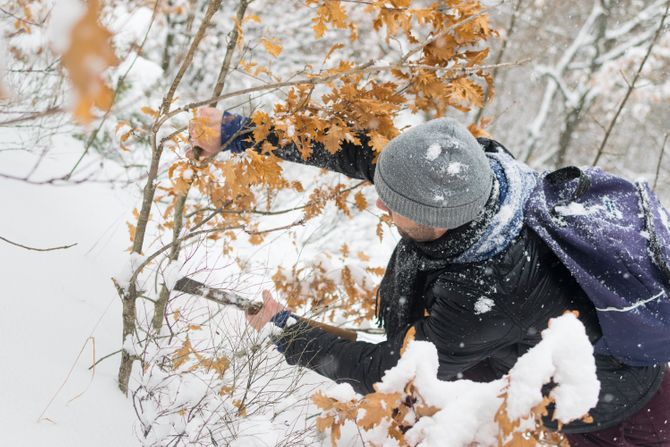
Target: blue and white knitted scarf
{"x": 516, "y": 181}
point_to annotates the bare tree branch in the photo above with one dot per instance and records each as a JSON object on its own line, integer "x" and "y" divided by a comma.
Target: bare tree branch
{"x": 63, "y": 247}
{"x": 212, "y": 8}
{"x": 31, "y": 116}
{"x": 660, "y": 161}
{"x": 103, "y": 358}
{"x": 230, "y": 49}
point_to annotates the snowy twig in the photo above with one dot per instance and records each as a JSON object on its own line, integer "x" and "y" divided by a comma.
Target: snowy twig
{"x": 212, "y": 8}
{"x": 385, "y": 8}
{"x": 568, "y": 95}
{"x": 150, "y": 186}
{"x": 30, "y": 117}
{"x": 38, "y": 249}
{"x": 660, "y": 160}
{"x": 646, "y": 14}
{"x": 21, "y": 19}
{"x": 196, "y": 233}
{"x": 178, "y": 222}
{"x": 103, "y": 358}
{"x": 367, "y": 68}
{"x": 63, "y": 180}
{"x": 623, "y": 48}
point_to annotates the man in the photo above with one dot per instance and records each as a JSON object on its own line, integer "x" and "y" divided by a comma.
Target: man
{"x": 467, "y": 275}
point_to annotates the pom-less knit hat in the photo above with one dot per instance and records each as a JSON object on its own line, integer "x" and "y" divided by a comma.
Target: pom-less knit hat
{"x": 435, "y": 173}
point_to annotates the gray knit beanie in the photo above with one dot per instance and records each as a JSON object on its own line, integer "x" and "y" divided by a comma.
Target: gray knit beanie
{"x": 435, "y": 173}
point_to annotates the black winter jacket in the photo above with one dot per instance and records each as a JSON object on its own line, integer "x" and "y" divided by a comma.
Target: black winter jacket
{"x": 528, "y": 285}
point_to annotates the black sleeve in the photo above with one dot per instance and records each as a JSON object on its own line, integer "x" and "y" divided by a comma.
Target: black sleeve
{"x": 361, "y": 364}
{"x": 463, "y": 335}
{"x": 463, "y": 332}
{"x": 352, "y": 160}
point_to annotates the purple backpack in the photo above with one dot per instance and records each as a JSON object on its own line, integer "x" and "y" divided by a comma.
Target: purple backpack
{"x": 614, "y": 237}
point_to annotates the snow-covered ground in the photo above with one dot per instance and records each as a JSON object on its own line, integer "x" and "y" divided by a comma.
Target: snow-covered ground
{"x": 58, "y": 306}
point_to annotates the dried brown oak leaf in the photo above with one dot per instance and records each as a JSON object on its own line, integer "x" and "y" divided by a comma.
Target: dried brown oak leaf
{"x": 90, "y": 53}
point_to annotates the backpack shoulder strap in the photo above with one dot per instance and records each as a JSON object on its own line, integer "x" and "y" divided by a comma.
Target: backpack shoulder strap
{"x": 563, "y": 176}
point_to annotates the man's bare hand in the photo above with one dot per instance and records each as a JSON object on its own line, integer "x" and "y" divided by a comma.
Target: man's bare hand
{"x": 205, "y": 132}
{"x": 270, "y": 308}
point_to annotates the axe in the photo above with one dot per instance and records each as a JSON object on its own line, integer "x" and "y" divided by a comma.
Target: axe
{"x": 227, "y": 298}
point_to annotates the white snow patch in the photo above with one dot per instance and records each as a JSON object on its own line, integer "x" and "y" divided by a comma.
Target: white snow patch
{"x": 191, "y": 390}
{"x": 290, "y": 321}
{"x": 129, "y": 345}
{"x": 64, "y": 15}
{"x": 142, "y": 74}
{"x": 484, "y": 305}
{"x": 257, "y": 431}
{"x": 434, "y": 151}
{"x": 506, "y": 213}
{"x": 270, "y": 330}
{"x": 130, "y": 27}
{"x": 126, "y": 272}
{"x": 565, "y": 354}
{"x": 572, "y": 209}
{"x": 455, "y": 167}
{"x": 73, "y": 299}
{"x": 342, "y": 392}
{"x": 171, "y": 274}
{"x": 187, "y": 174}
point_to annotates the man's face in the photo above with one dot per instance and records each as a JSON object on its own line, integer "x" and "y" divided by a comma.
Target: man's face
{"x": 410, "y": 229}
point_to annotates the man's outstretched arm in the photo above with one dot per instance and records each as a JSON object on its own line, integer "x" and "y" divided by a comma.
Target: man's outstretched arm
{"x": 463, "y": 339}
{"x": 352, "y": 160}
{"x": 358, "y": 363}
{"x": 215, "y": 129}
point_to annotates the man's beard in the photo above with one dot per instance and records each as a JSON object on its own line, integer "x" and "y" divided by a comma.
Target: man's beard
{"x": 418, "y": 235}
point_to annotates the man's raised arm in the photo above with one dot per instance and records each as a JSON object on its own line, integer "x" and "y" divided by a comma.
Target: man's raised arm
{"x": 214, "y": 128}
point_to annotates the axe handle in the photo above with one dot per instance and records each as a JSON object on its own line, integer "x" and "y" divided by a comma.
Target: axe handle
{"x": 346, "y": 334}
{"x": 224, "y": 297}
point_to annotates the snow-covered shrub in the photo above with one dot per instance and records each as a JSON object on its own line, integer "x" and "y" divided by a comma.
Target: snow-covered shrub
{"x": 412, "y": 407}
{"x": 214, "y": 383}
